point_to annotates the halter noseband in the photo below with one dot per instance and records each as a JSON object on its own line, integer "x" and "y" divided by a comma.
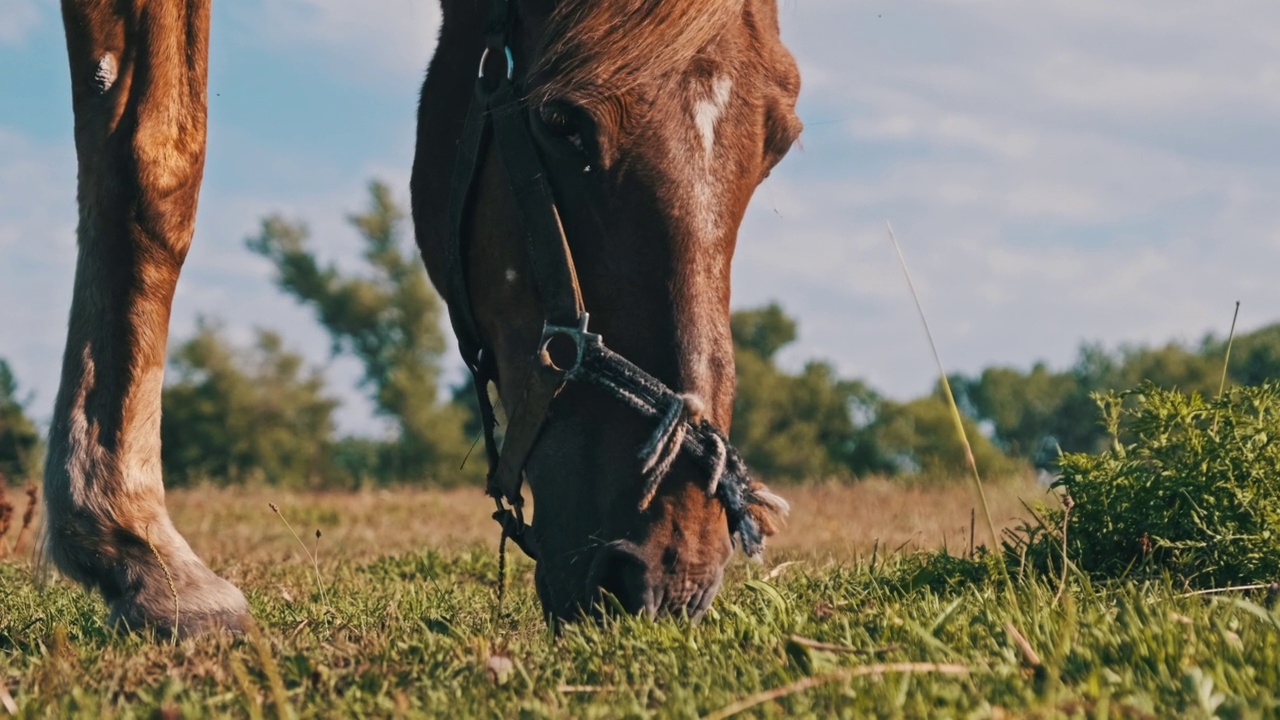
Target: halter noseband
{"x": 567, "y": 351}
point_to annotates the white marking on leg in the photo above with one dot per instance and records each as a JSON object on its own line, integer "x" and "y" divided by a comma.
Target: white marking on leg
{"x": 104, "y": 75}
{"x": 86, "y": 454}
{"x": 511, "y": 275}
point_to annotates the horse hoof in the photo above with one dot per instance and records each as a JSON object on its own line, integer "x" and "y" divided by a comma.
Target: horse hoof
{"x": 191, "y": 602}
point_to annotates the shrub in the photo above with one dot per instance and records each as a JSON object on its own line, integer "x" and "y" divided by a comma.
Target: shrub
{"x": 234, "y": 415}
{"x": 940, "y": 571}
{"x": 20, "y": 445}
{"x": 1189, "y": 486}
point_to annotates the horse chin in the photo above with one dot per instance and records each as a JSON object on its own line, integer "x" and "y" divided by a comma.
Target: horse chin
{"x": 674, "y": 568}
{"x": 622, "y": 578}
{"x": 624, "y": 588}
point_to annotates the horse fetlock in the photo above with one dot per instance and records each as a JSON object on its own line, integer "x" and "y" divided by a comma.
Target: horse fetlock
{"x": 178, "y": 596}
{"x": 149, "y": 576}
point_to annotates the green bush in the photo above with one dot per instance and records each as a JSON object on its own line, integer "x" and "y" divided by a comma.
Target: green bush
{"x": 941, "y": 572}
{"x": 234, "y": 414}
{"x": 1189, "y": 487}
{"x": 20, "y": 445}
{"x": 918, "y": 439}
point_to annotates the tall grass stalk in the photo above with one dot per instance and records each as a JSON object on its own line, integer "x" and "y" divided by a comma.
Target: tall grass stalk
{"x": 315, "y": 562}
{"x": 838, "y": 676}
{"x": 1226, "y": 361}
{"x": 173, "y": 590}
{"x": 951, "y": 403}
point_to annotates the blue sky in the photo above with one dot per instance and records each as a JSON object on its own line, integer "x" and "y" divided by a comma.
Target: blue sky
{"x": 1058, "y": 171}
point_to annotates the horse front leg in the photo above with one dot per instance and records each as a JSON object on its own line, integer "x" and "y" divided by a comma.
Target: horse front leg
{"x": 138, "y": 79}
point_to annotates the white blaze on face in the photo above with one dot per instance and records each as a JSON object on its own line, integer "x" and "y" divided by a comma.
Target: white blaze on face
{"x": 698, "y": 196}
{"x": 709, "y": 103}
{"x": 707, "y": 112}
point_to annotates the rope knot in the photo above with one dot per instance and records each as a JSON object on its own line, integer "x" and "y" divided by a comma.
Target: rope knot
{"x": 685, "y": 412}
{"x": 659, "y": 454}
{"x": 752, "y": 511}
{"x": 694, "y": 408}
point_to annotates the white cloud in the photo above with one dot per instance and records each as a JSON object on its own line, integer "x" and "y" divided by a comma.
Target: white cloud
{"x": 18, "y": 18}
{"x": 1058, "y": 171}
{"x": 37, "y": 244}
{"x": 382, "y": 41}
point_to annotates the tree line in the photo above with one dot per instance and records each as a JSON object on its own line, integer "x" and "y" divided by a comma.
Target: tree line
{"x": 260, "y": 413}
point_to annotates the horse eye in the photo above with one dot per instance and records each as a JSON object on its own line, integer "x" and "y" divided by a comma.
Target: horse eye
{"x": 561, "y": 120}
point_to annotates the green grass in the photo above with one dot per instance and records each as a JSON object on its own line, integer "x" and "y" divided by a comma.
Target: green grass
{"x": 420, "y": 635}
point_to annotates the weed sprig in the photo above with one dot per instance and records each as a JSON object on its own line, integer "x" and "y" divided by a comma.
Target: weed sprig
{"x": 314, "y": 557}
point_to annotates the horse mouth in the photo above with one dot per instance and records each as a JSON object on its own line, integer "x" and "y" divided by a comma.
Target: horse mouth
{"x": 622, "y": 580}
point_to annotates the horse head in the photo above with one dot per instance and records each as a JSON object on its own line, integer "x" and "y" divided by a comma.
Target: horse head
{"x": 648, "y": 126}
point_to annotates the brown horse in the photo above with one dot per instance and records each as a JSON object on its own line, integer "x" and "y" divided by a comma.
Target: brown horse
{"x": 631, "y": 137}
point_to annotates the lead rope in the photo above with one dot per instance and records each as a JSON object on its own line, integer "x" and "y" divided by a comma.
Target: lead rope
{"x": 502, "y": 570}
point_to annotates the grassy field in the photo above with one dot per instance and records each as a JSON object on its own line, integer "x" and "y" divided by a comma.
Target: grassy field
{"x": 856, "y": 612}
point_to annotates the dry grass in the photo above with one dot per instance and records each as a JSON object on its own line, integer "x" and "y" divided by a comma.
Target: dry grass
{"x": 420, "y": 634}
{"x": 17, "y": 530}
{"x": 838, "y": 521}
{"x": 237, "y": 524}
{"x": 234, "y": 526}
{"x": 848, "y": 521}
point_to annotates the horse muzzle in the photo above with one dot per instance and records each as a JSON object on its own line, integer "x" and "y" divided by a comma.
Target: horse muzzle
{"x": 625, "y": 575}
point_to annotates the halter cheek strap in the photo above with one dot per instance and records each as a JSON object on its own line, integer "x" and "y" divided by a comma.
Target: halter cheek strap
{"x": 497, "y": 115}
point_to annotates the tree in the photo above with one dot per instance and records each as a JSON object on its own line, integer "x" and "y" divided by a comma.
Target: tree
{"x": 1036, "y": 413}
{"x": 1025, "y": 409}
{"x": 919, "y": 438}
{"x": 814, "y": 424}
{"x": 791, "y": 427}
{"x": 1171, "y": 367}
{"x": 1255, "y": 357}
{"x": 19, "y": 439}
{"x": 235, "y": 415}
{"x": 388, "y": 319}
{"x": 763, "y": 331}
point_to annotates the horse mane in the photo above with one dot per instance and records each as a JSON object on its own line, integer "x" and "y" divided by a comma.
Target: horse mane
{"x": 593, "y": 50}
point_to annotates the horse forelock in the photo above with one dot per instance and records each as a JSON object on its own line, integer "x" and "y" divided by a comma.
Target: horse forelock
{"x": 592, "y": 50}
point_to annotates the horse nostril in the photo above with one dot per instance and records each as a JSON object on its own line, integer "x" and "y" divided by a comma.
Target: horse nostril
{"x": 701, "y": 600}
{"x": 620, "y": 573}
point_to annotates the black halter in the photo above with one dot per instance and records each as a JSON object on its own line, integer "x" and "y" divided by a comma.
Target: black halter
{"x": 568, "y": 351}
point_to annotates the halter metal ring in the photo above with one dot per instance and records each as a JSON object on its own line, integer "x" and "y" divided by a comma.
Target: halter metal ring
{"x": 511, "y": 61}
{"x": 578, "y": 337}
